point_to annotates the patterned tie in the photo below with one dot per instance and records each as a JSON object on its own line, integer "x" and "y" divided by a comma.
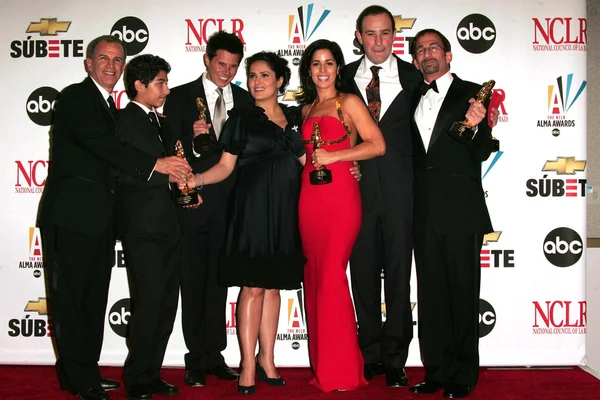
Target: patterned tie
{"x": 112, "y": 107}
{"x": 373, "y": 97}
{"x": 220, "y": 113}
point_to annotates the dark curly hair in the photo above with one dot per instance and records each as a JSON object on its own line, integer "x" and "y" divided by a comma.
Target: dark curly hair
{"x": 307, "y": 92}
{"x": 278, "y": 64}
{"x": 143, "y": 68}
{"x": 223, "y": 40}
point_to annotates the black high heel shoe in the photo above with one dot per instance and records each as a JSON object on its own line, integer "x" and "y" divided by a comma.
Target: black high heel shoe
{"x": 246, "y": 389}
{"x": 262, "y": 375}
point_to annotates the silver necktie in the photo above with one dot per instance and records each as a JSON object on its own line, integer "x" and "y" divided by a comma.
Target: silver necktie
{"x": 220, "y": 112}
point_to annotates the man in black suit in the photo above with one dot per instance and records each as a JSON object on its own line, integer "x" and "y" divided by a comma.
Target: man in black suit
{"x": 76, "y": 214}
{"x": 147, "y": 223}
{"x": 203, "y": 229}
{"x": 386, "y": 83}
{"x": 451, "y": 219}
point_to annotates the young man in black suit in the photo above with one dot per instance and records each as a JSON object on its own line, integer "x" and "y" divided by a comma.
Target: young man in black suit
{"x": 147, "y": 223}
{"x": 203, "y": 229}
{"x": 386, "y": 84}
{"x": 76, "y": 214}
{"x": 451, "y": 219}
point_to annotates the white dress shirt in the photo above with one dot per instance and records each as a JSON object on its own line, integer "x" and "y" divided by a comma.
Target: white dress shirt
{"x": 210, "y": 90}
{"x": 429, "y": 107}
{"x": 389, "y": 82}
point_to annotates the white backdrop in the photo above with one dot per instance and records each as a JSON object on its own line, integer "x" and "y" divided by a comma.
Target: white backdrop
{"x": 533, "y": 309}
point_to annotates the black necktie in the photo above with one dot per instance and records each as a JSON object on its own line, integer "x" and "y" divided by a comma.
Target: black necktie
{"x": 154, "y": 120}
{"x": 112, "y": 107}
{"x": 373, "y": 96}
{"x": 425, "y": 87}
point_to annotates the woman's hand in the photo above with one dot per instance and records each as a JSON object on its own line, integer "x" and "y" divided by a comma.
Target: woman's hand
{"x": 323, "y": 157}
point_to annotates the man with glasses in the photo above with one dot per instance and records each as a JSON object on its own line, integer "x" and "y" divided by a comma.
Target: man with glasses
{"x": 451, "y": 218}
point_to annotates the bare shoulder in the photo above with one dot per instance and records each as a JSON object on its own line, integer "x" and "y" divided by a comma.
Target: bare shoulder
{"x": 305, "y": 109}
{"x": 350, "y": 100}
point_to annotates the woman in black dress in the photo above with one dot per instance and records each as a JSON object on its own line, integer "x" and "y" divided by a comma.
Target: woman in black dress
{"x": 262, "y": 252}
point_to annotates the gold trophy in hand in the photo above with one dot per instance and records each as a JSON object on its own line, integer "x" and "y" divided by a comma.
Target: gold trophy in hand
{"x": 186, "y": 196}
{"x": 321, "y": 175}
{"x": 205, "y": 142}
{"x": 463, "y": 131}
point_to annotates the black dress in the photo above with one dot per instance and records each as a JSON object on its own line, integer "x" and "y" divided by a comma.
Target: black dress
{"x": 262, "y": 246}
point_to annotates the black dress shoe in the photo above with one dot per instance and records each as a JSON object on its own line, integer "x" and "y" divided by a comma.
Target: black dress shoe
{"x": 194, "y": 378}
{"x": 223, "y": 372}
{"x": 373, "y": 369}
{"x": 426, "y": 387}
{"x": 109, "y": 384}
{"x": 140, "y": 391}
{"x": 456, "y": 391}
{"x": 158, "y": 386}
{"x": 93, "y": 394}
{"x": 396, "y": 377}
{"x": 262, "y": 375}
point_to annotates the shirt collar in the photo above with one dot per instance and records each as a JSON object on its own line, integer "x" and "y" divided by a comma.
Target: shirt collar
{"x": 210, "y": 87}
{"x": 143, "y": 107}
{"x": 386, "y": 66}
{"x": 103, "y": 91}
{"x": 443, "y": 83}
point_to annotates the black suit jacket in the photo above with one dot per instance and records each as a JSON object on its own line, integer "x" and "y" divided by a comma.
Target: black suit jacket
{"x": 80, "y": 189}
{"x": 181, "y": 111}
{"x": 448, "y": 186}
{"x": 144, "y": 206}
{"x": 389, "y": 175}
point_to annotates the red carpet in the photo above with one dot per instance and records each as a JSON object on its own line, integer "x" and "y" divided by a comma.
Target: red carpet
{"x": 39, "y": 383}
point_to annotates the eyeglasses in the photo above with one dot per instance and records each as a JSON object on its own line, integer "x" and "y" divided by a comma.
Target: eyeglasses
{"x": 433, "y": 48}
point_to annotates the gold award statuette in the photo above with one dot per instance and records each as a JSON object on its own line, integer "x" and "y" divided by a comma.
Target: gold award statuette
{"x": 321, "y": 175}
{"x": 463, "y": 131}
{"x": 206, "y": 142}
{"x": 186, "y": 196}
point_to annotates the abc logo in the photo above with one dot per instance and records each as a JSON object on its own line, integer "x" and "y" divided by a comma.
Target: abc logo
{"x": 37, "y": 273}
{"x": 476, "y": 33}
{"x": 487, "y": 318}
{"x": 555, "y": 132}
{"x": 563, "y": 247}
{"x": 295, "y": 345}
{"x": 40, "y": 105}
{"x": 133, "y": 32}
{"x": 118, "y": 318}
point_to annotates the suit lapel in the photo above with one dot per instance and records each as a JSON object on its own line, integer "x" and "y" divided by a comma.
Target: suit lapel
{"x": 444, "y": 118}
{"x": 414, "y": 103}
{"x": 99, "y": 96}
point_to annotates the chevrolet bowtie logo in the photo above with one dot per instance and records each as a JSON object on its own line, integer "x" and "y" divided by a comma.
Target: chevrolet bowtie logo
{"x": 403, "y": 23}
{"x": 491, "y": 237}
{"x": 289, "y": 95}
{"x": 565, "y": 165}
{"x": 40, "y": 306}
{"x": 48, "y": 27}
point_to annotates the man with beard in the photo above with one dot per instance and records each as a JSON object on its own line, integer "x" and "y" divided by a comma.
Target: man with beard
{"x": 451, "y": 218}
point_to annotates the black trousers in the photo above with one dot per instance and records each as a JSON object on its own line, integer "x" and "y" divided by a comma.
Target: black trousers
{"x": 448, "y": 281}
{"x": 78, "y": 275}
{"x": 203, "y": 300}
{"x": 153, "y": 269}
{"x": 384, "y": 243}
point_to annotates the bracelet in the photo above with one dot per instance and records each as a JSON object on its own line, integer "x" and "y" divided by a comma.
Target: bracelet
{"x": 201, "y": 181}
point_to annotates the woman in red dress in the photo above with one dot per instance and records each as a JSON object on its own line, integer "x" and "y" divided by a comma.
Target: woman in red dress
{"x": 330, "y": 214}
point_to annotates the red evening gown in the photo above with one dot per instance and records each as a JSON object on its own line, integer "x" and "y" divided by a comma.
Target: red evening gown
{"x": 329, "y": 221}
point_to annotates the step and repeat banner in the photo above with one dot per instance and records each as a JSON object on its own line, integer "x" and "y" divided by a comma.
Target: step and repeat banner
{"x": 533, "y": 305}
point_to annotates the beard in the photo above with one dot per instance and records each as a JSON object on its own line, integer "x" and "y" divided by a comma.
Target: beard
{"x": 429, "y": 68}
